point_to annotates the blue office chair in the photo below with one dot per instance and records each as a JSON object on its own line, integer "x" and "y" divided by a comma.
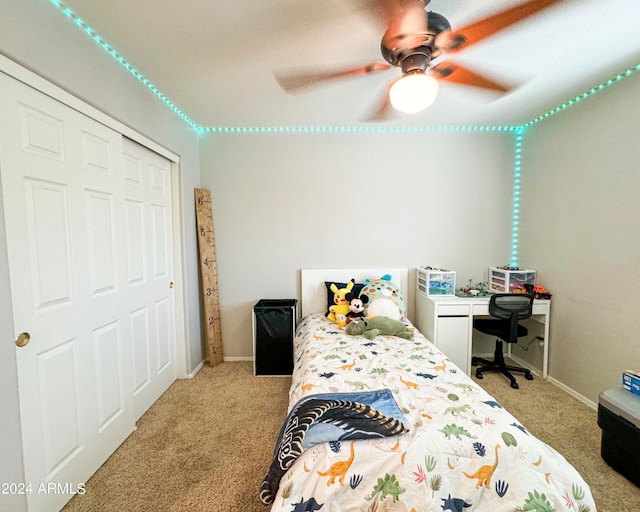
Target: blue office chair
{"x": 506, "y": 309}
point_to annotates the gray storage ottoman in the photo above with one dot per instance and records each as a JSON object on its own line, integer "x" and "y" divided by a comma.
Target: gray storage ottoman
{"x": 619, "y": 419}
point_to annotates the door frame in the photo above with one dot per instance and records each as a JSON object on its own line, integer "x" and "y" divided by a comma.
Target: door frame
{"x": 42, "y": 85}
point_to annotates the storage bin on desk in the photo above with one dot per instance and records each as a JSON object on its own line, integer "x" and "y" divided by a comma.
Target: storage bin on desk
{"x": 510, "y": 281}
{"x": 619, "y": 419}
{"x": 436, "y": 281}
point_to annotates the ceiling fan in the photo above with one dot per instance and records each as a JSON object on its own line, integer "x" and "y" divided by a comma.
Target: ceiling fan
{"x": 414, "y": 39}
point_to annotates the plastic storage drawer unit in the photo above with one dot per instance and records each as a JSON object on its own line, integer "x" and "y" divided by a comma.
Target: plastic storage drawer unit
{"x": 510, "y": 279}
{"x": 435, "y": 281}
{"x": 274, "y": 326}
{"x": 619, "y": 419}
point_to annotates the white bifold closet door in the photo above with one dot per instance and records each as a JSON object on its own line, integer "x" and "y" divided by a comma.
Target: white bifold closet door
{"x": 89, "y": 240}
{"x": 149, "y": 289}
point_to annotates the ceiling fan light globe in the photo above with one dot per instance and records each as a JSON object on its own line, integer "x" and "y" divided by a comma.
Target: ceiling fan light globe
{"x": 413, "y": 92}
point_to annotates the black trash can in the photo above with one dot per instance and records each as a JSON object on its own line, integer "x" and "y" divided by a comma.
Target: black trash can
{"x": 274, "y": 325}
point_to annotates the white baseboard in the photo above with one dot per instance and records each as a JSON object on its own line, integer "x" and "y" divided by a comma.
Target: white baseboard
{"x": 206, "y": 361}
{"x": 523, "y": 363}
{"x": 232, "y": 359}
{"x": 195, "y": 370}
{"x": 553, "y": 381}
{"x": 573, "y": 393}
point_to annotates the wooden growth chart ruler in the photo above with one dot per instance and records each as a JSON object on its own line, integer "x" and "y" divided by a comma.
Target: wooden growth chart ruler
{"x": 209, "y": 274}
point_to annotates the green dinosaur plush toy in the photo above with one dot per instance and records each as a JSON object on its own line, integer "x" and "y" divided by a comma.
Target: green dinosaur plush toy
{"x": 379, "y": 325}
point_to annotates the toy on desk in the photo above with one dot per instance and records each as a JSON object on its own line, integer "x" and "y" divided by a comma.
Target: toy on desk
{"x": 483, "y": 288}
{"x": 477, "y": 290}
{"x": 519, "y": 288}
{"x": 538, "y": 291}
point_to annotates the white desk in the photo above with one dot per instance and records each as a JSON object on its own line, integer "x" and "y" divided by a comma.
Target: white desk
{"x": 447, "y": 321}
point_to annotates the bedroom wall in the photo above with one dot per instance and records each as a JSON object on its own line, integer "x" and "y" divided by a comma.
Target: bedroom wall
{"x": 34, "y": 34}
{"x": 286, "y": 201}
{"x": 580, "y": 225}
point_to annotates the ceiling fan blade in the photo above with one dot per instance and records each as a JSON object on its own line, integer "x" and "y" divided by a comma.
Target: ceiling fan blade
{"x": 295, "y": 81}
{"x": 383, "y": 109}
{"x": 475, "y": 32}
{"x": 451, "y": 72}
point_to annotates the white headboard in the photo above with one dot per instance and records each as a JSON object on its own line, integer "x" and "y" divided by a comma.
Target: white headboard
{"x": 314, "y": 292}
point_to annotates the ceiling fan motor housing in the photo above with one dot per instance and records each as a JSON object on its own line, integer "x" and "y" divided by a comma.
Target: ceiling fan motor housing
{"x": 416, "y": 58}
{"x": 437, "y": 23}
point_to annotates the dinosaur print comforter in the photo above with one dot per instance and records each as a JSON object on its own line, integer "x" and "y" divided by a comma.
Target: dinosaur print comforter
{"x": 463, "y": 451}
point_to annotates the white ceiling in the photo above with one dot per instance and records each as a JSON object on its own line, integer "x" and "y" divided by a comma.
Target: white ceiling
{"x": 215, "y": 59}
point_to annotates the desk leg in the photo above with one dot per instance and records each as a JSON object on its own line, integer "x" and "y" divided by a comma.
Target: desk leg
{"x": 545, "y": 355}
{"x": 545, "y": 345}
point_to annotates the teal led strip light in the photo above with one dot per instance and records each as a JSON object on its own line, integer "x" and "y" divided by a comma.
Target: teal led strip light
{"x": 583, "y": 96}
{"x": 519, "y": 130}
{"x": 402, "y": 129}
{"x": 121, "y": 60}
{"x": 355, "y": 129}
{"x": 319, "y": 129}
{"x": 518, "y": 151}
{"x": 515, "y": 223}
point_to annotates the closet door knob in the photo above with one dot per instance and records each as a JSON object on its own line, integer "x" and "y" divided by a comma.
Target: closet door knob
{"x": 23, "y": 339}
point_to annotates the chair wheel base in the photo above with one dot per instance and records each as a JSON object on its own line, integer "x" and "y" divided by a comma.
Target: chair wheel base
{"x": 498, "y": 365}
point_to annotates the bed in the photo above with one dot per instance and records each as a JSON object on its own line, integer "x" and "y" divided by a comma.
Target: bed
{"x": 449, "y": 445}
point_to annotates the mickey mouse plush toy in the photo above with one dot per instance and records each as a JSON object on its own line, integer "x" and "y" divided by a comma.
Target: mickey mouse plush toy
{"x": 356, "y": 306}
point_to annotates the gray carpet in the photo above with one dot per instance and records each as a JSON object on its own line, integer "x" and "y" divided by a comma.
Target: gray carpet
{"x": 206, "y": 444}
